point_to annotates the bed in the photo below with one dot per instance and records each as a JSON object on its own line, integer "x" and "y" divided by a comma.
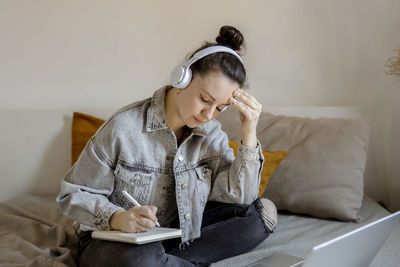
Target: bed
{"x": 34, "y": 233}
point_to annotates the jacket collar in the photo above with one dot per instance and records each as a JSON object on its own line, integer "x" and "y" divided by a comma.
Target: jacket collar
{"x": 156, "y": 114}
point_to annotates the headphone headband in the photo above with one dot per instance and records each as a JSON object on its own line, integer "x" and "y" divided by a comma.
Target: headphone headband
{"x": 182, "y": 74}
{"x": 211, "y": 50}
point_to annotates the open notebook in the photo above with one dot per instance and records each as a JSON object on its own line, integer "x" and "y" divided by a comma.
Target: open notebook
{"x": 154, "y": 234}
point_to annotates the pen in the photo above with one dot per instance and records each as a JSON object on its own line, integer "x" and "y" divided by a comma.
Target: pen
{"x": 134, "y": 202}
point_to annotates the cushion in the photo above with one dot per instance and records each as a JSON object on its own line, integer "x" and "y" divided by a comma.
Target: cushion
{"x": 85, "y": 126}
{"x": 322, "y": 175}
{"x": 271, "y": 162}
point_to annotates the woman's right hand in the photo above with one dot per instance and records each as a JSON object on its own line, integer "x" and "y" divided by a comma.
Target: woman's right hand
{"x": 134, "y": 220}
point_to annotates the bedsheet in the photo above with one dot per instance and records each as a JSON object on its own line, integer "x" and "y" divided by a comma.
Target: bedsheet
{"x": 34, "y": 233}
{"x": 297, "y": 235}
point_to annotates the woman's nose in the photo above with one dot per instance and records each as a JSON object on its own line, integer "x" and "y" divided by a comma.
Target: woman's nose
{"x": 208, "y": 114}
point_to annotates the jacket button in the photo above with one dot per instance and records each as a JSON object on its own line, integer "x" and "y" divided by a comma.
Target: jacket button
{"x": 187, "y": 216}
{"x": 180, "y": 158}
{"x": 184, "y": 186}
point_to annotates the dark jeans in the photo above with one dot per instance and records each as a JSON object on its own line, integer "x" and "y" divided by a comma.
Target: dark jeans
{"x": 227, "y": 230}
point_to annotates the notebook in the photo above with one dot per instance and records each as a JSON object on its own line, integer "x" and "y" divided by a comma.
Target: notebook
{"x": 354, "y": 249}
{"x": 154, "y": 234}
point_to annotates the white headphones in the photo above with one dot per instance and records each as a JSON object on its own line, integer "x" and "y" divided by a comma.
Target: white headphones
{"x": 182, "y": 74}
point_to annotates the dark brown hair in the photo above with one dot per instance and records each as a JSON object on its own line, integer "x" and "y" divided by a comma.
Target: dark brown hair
{"x": 227, "y": 63}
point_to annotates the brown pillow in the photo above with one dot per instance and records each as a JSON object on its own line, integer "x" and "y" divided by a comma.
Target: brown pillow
{"x": 322, "y": 175}
{"x": 83, "y": 127}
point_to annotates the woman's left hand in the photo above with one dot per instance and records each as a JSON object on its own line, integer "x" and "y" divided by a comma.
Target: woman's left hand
{"x": 250, "y": 110}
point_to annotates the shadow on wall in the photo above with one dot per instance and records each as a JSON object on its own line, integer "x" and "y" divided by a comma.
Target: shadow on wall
{"x": 55, "y": 161}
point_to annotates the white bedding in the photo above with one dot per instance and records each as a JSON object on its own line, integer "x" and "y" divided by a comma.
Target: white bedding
{"x": 296, "y": 235}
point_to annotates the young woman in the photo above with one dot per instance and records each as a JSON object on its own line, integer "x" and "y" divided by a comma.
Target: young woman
{"x": 170, "y": 154}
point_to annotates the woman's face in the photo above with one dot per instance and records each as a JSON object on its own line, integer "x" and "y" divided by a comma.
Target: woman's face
{"x": 204, "y": 98}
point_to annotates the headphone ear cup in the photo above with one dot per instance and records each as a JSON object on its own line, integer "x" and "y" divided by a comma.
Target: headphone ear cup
{"x": 177, "y": 75}
{"x": 187, "y": 78}
{"x": 181, "y": 77}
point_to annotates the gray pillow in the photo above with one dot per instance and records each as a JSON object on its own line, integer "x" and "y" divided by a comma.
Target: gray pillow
{"x": 323, "y": 173}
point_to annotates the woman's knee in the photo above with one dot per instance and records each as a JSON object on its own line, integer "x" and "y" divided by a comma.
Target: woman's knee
{"x": 268, "y": 213}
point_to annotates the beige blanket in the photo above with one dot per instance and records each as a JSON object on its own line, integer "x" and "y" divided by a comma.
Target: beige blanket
{"x": 34, "y": 233}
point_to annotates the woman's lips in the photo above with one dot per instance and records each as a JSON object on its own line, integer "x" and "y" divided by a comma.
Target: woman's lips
{"x": 197, "y": 120}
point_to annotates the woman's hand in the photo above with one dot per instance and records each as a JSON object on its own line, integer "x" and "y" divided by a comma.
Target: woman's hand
{"x": 250, "y": 110}
{"x": 134, "y": 220}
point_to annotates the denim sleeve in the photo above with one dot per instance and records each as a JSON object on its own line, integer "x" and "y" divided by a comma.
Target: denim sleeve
{"x": 86, "y": 187}
{"x": 236, "y": 180}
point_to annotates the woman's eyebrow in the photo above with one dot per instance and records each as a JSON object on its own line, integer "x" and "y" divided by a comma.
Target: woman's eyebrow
{"x": 226, "y": 104}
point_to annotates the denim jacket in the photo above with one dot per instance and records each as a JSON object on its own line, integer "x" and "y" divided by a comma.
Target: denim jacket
{"x": 134, "y": 150}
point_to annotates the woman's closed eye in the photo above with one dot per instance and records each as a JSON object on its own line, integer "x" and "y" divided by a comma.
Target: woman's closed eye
{"x": 219, "y": 108}
{"x": 204, "y": 99}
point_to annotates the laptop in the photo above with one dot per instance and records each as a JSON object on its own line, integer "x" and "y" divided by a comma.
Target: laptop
{"x": 354, "y": 249}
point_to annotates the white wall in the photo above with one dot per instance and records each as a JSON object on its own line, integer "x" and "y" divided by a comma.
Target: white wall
{"x": 93, "y": 54}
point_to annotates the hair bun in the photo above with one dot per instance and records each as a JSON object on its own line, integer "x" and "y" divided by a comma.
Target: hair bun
{"x": 231, "y": 37}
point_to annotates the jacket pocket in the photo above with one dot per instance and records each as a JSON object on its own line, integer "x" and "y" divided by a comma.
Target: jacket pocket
{"x": 203, "y": 184}
{"x": 137, "y": 183}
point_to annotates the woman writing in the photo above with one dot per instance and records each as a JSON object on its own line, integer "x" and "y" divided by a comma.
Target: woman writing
{"x": 170, "y": 154}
